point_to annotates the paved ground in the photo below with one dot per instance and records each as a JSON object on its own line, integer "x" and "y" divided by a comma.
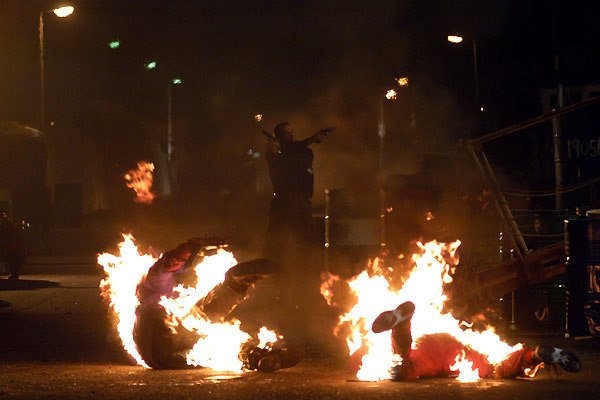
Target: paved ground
{"x": 56, "y": 341}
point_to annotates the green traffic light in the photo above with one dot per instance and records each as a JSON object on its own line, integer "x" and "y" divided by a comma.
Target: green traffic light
{"x": 176, "y": 81}
{"x": 114, "y": 44}
{"x": 150, "y": 65}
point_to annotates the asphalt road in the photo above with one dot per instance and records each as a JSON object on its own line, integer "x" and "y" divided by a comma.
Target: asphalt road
{"x": 57, "y": 341}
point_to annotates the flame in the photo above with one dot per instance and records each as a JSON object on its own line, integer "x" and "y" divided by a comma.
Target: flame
{"x": 219, "y": 343}
{"x": 140, "y": 180}
{"x": 466, "y": 373}
{"x": 429, "y": 216}
{"x": 267, "y": 337}
{"x": 123, "y": 273}
{"x": 391, "y": 94}
{"x": 258, "y": 117}
{"x": 402, "y": 81}
{"x": 430, "y": 270}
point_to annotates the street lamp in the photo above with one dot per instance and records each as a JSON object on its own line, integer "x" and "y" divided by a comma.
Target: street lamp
{"x": 60, "y": 12}
{"x": 455, "y": 39}
{"x": 174, "y": 81}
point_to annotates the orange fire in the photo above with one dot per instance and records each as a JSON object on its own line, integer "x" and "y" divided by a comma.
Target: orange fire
{"x": 391, "y": 94}
{"x": 219, "y": 343}
{"x": 140, "y": 180}
{"x": 431, "y": 268}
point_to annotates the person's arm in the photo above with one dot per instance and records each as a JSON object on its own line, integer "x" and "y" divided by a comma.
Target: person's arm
{"x": 317, "y": 137}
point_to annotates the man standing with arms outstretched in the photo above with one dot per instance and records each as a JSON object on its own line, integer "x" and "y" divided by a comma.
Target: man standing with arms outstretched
{"x": 289, "y": 229}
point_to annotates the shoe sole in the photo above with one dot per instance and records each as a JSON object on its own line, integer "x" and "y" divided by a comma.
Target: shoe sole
{"x": 389, "y": 319}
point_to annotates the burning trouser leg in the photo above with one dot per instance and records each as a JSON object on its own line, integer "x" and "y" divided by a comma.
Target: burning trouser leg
{"x": 159, "y": 347}
{"x": 162, "y": 348}
{"x": 224, "y": 297}
{"x": 221, "y": 301}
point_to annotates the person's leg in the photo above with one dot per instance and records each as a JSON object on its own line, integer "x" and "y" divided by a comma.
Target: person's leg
{"x": 525, "y": 362}
{"x": 224, "y": 297}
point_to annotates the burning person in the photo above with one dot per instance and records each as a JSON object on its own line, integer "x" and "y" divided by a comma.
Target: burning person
{"x": 435, "y": 354}
{"x": 164, "y": 346}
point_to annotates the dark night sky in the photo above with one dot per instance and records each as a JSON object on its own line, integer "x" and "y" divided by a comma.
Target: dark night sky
{"x": 314, "y": 63}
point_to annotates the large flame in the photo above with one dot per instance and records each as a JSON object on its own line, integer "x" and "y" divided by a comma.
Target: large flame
{"x": 140, "y": 180}
{"x": 218, "y": 345}
{"x": 424, "y": 287}
{"x": 123, "y": 273}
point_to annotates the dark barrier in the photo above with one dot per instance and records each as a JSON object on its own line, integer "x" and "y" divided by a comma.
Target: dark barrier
{"x": 582, "y": 248}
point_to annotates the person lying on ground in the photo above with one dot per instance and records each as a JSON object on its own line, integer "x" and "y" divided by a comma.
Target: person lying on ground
{"x": 161, "y": 348}
{"x": 432, "y": 355}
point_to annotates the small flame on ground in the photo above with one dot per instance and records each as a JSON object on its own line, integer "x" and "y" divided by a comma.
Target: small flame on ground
{"x": 265, "y": 337}
{"x": 429, "y": 216}
{"x": 391, "y": 94}
{"x": 140, "y": 180}
{"x": 466, "y": 373}
{"x": 258, "y": 117}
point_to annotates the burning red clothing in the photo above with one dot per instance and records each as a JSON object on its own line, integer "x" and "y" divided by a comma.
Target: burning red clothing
{"x": 434, "y": 354}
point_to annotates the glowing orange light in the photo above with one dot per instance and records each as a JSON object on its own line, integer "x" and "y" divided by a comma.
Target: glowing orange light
{"x": 391, "y": 94}
{"x": 402, "y": 81}
{"x": 455, "y": 39}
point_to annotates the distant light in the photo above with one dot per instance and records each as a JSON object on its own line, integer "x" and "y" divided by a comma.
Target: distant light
{"x": 63, "y": 11}
{"x": 402, "y": 81}
{"x": 115, "y": 44}
{"x": 176, "y": 81}
{"x": 258, "y": 117}
{"x": 391, "y": 94}
{"x": 455, "y": 39}
{"x": 150, "y": 65}
{"x": 481, "y": 108}
{"x": 250, "y": 152}
{"x": 256, "y": 155}
{"x": 51, "y": 123}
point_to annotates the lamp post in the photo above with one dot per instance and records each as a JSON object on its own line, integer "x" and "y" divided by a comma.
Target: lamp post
{"x": 456, "y": 40}
{"x": 61, "y": 12}
{"x": 174, "y": 81}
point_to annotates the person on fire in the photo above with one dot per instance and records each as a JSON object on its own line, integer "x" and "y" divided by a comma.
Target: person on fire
{"x": 13, "y": 252}
{"x": 156, "y": 343}
{"x": 433, "y": 354}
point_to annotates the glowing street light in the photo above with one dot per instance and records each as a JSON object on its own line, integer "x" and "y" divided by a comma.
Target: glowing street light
{"x": 115, "y": 44}
{"x": 455, "y": 39}
{"x": 63, "y": 12}
{"x": 174, "y": 81}
{"x": 60, "y": 12}
{"x": 458, "y": 39}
